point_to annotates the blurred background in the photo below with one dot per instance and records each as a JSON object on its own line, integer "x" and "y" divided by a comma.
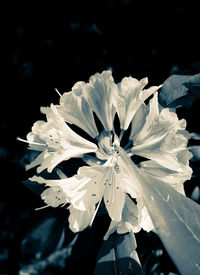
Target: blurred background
{"x": 47, "y": 44}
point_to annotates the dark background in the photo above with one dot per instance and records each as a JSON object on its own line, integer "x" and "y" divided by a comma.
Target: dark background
{"x": 45, "y": 45}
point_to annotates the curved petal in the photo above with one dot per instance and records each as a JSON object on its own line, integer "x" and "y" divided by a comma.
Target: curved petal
{"x": 129, "y": 221}
{"x": 138, "y": 121}
{"x": 169, "y": 150}
{"x": 75, "y": 110}
{"x": 101, "y": 94}
{"x": 129, "y": 217}
{"x": 144, "y": 218}
{"x": 157, "y": 124}
{"x": 79, "y": 220}
{"x": 153, "y": 149}
{"x": 53, "y": 196}
{"x": 125, "y": 178}
{"x": 93, "y": 181}
{"x": 173, "y": 178}
{"x": 161, "y": 137}
{"x": 114, "y": 197}
{"x": 57, "y": 139}
{"x": 129, "y": 91}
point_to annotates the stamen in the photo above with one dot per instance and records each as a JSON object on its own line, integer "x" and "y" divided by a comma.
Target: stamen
{"x": 64, "y": 204}
{"x": 40, "y": 208}
{"x": 30, "y": 142}
{"x": 56, "y": 90}
{"x": 116, "y": 167}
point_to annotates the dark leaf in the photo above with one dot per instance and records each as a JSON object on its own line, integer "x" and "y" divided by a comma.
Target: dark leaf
{"x": 55, "y": 261}
{"x": 173, "y": 89}
{"x": 193, "y": 84}
{"x": 176, "y": 219}
{"x": 196, "y": 153}
{"x": 38, "y": 188}
{"x": 45, "y": 237}
{"x": 183, "y": 101}
{"x": 117, "y": 255}
{"x": 35, "y": 187}
{"x": 180, "y": 91}
{"x": 177, "y": 222}
{"x": 195, "y": 136}
{"x": 196, "y": 194}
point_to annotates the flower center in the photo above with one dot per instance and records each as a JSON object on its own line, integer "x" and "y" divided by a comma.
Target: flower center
{"x": 107, "y": 147}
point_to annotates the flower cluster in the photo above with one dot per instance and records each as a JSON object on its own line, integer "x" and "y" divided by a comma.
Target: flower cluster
{"x": 157, "y": 146}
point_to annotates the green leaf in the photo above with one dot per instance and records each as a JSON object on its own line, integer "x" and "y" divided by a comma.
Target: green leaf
{"x": 117, "y": 256}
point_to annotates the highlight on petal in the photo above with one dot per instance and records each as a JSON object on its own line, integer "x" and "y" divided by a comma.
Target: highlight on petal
{"x": 79, "y": 220}
{"x": 144, "y": 218}
{"x": 100, "y": 93}
{"x": 91, "y": 187}
{"x": 129, "y": 220}
{"x": 75, "y": 110}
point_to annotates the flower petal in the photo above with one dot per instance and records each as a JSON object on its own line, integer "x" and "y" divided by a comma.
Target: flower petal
{"x": 129, "y": 221}
{"x": 57, "y": 139}
{"x": 129, "y": 91}
{"x": 101, "y": 94}
{"x": 153, "y": 149}
{"x": 173, "y": 178}
{"x": 53, "y": 196}
{"x": 75, "y": 110}
{"x": 144, "y": 218}
{"x": 79, "y": 220}
{"x": 158, "y": 123}
{"x": 161, "y": 137}
{"x": 138, "y": 122}
{"x": 114, "y": 197}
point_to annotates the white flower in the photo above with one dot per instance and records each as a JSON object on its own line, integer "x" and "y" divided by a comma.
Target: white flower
{"x": 157, "y": 147}
{"x": 56, "y": 141}
{"x": 75, "y": 110}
